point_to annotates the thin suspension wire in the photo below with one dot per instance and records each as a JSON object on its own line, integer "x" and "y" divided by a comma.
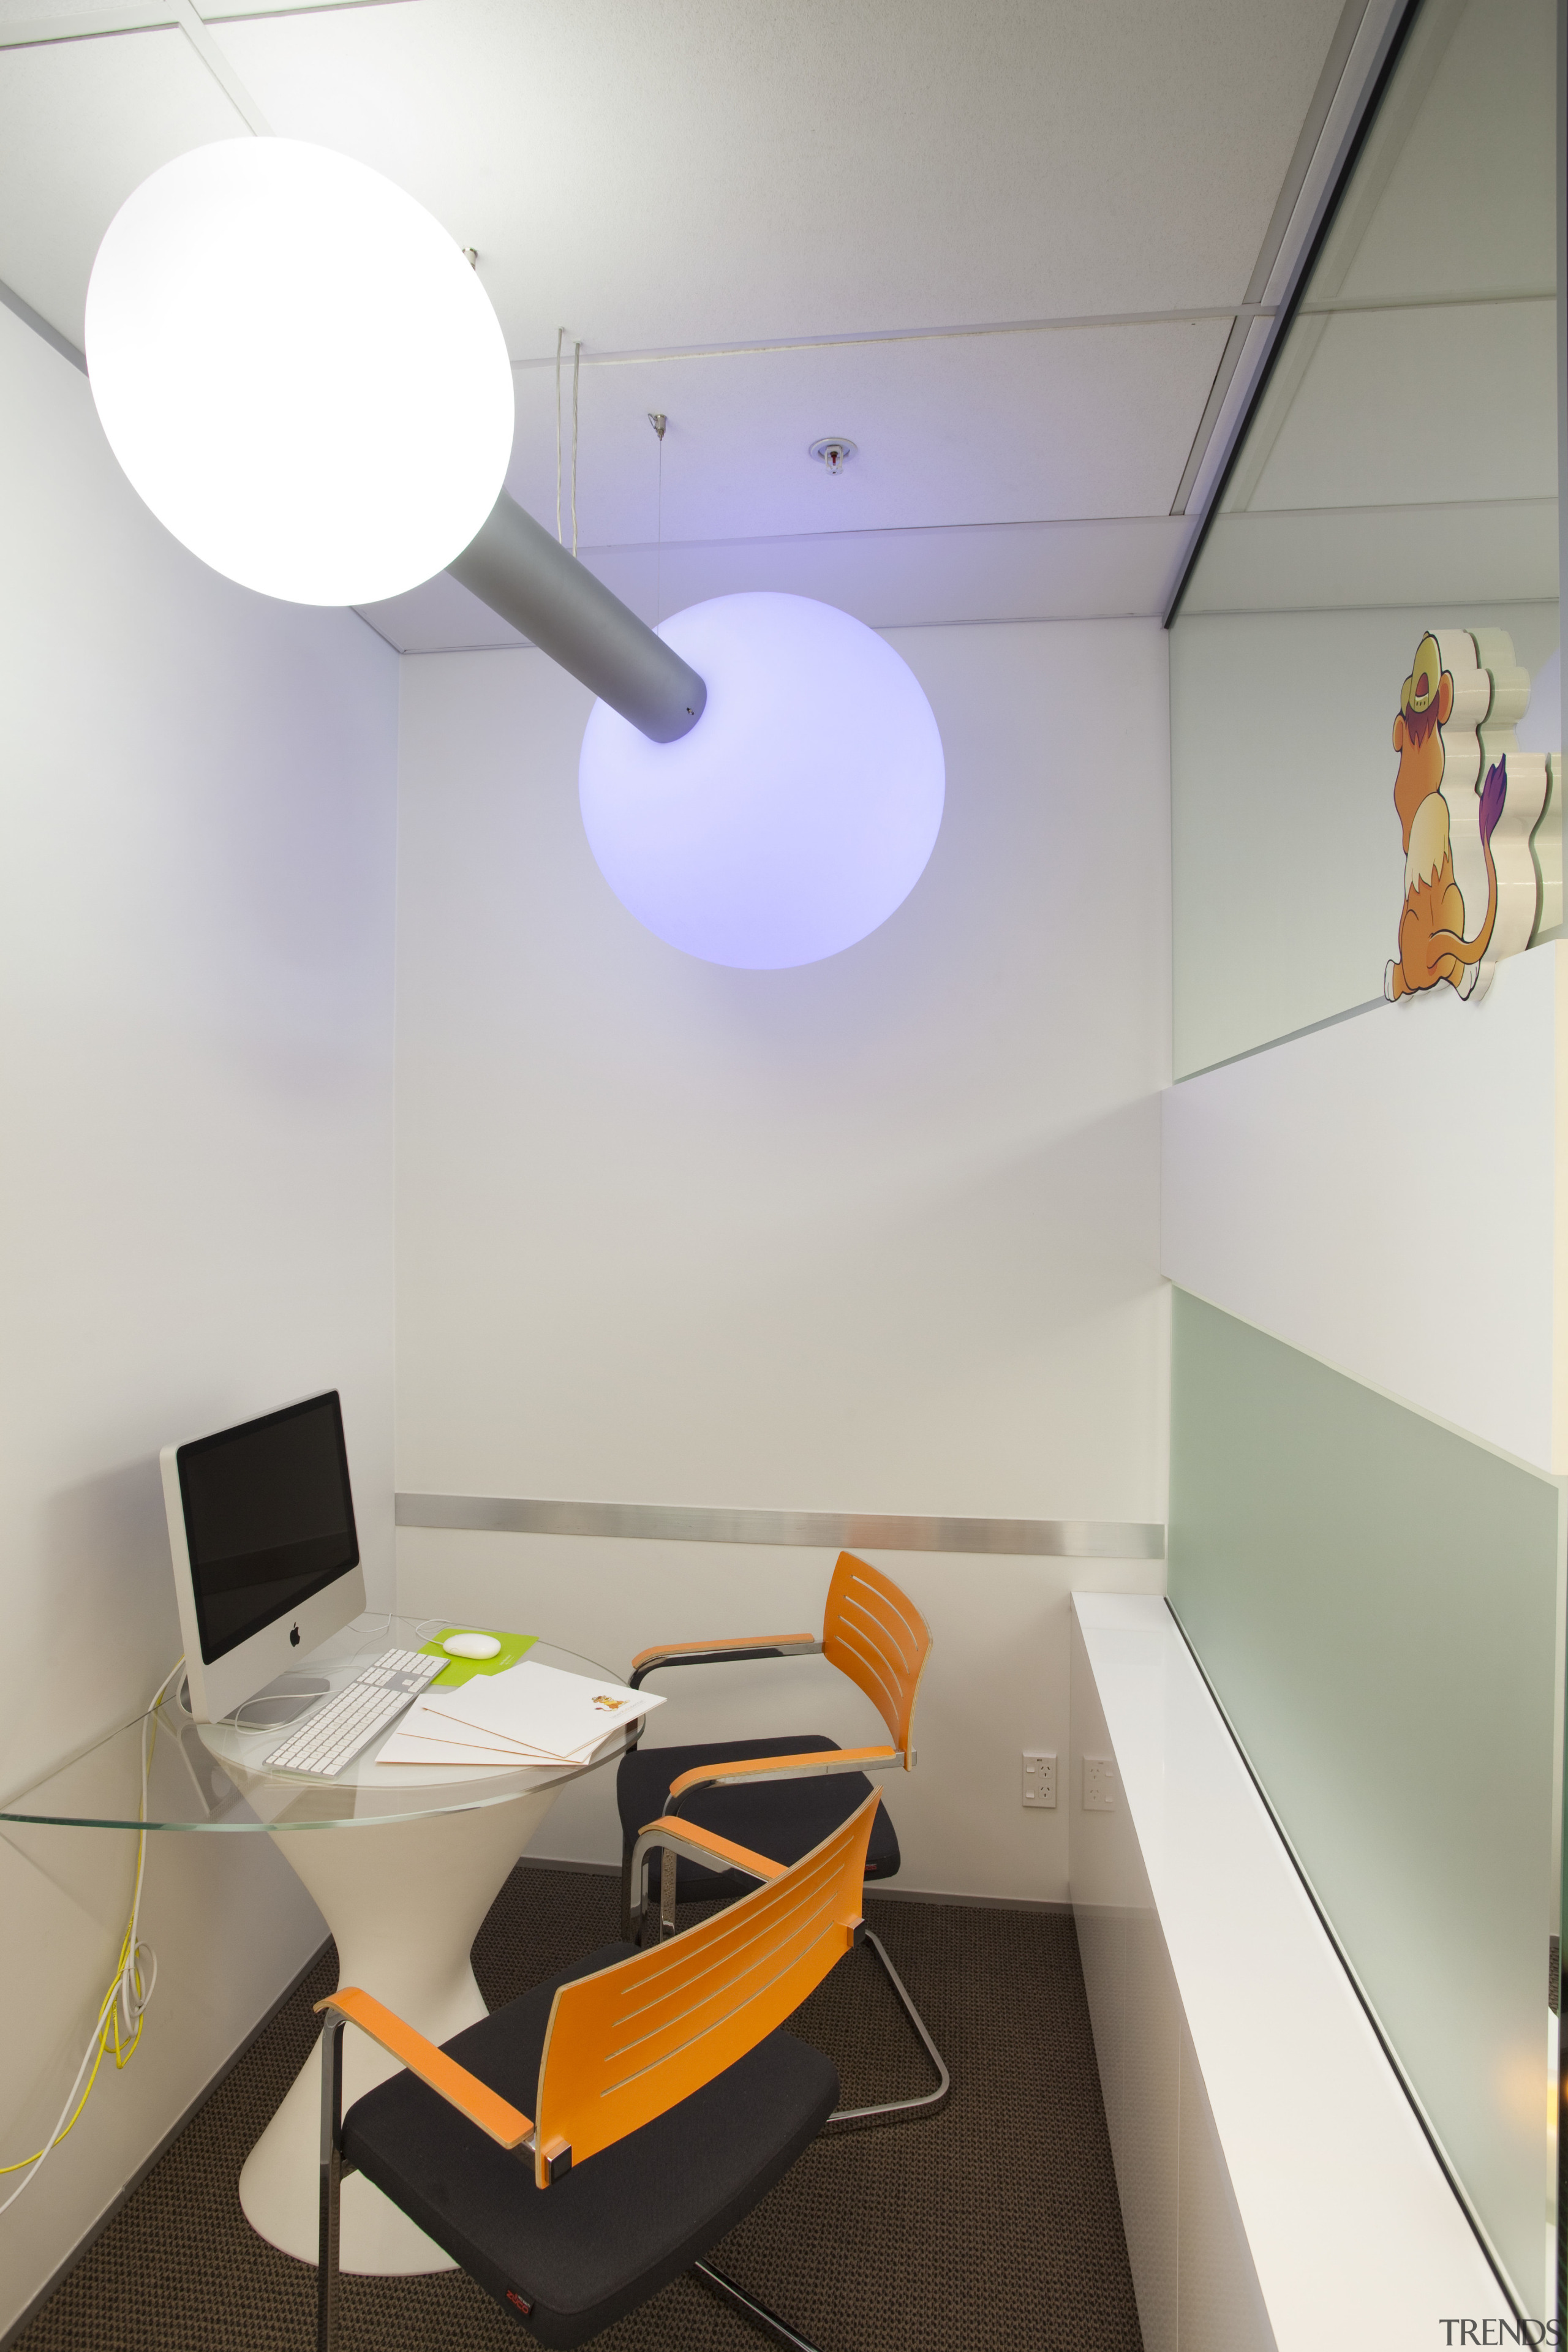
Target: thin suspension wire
{"x": 658, "y": 420}
{"x": 576, "y": 363}
{"x": 560, "y": 338}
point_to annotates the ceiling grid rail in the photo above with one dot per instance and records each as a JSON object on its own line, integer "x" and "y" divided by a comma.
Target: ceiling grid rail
{"x": 1367, "y": 41}
{"x": 1248, "y": 332}
{"x": 175, "y": 16}
{"x": 99, "y": 23}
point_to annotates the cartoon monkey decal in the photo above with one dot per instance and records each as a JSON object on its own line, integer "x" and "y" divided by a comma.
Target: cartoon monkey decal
{"x": 1432, "y": 942}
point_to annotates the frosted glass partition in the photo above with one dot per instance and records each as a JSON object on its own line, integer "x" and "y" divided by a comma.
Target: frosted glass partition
{"x": 1375, "y": 1603}
{"x": 1398, "y": 474}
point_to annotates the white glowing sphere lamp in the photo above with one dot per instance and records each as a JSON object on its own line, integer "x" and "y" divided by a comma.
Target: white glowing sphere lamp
{"x": 799, "y": 811}
{"x": 298, "y": 370}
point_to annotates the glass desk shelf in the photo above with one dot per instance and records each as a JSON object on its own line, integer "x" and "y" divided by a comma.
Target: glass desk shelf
{"x": 402, "y": 1900}
{"x": 212, "y": 1776}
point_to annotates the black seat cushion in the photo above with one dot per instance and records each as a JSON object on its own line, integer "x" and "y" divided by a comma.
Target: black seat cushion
{"x": 612, "y": 2231}
{"x": 784, "y": 1820}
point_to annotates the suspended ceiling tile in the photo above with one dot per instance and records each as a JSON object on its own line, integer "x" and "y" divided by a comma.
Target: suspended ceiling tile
{"x": 220, "y": 12}
{"x": 439, "y": 617}
{"x": 81, "y": 125}
{"x": 1415, "y": 407}
{"x": 892, "y": 579}
{"x": 689, "y": 171}
{"x": 18, "y": 15}
{"x": 1460, "y": 183}
{"x": 971, "y": 428}
{"x": 1024, "y": 572}
{"x": 1331, "y": 558}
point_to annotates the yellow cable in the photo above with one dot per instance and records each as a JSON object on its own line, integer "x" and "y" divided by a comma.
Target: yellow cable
{"x": 113, "y": 2007}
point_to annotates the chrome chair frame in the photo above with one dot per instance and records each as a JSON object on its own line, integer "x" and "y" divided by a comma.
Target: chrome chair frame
{"x": 666, "y": 1838}
{"x": 335, "y": 2171}
{"x": 507, "y": 2126}
{"x": 873, "y": 1636}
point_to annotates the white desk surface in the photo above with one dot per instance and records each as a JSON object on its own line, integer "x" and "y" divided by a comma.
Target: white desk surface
{"x": 1356, "y": 2235}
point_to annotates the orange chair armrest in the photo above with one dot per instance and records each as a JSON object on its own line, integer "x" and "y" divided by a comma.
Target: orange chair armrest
{"x": 493, "y": 2114}
{"x": 757, "y": 1768}
{"x": 672, "y": 1654}
{"x": 690, "y": 1834}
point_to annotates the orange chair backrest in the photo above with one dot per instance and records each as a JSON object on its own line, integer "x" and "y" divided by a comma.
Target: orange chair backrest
{"x": 623, "y": 2047}
{"x": 875, "y": 1634}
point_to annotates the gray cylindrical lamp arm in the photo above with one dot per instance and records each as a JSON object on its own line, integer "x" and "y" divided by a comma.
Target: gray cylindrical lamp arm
{"x": 520, "y": 572}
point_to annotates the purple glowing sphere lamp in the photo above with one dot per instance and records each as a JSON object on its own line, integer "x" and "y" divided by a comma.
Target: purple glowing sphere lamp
{"x": 800, "y": 811}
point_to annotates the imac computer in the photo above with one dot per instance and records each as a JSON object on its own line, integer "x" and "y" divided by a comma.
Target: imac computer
{"x": 262, "y": 1527}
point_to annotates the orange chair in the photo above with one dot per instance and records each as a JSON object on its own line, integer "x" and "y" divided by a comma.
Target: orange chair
{"x": 662, "y": 2102}
{"x": 780, "y": 1796}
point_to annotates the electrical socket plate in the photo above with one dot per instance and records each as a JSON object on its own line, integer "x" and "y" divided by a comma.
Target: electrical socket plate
{"x": 1039, "y": 1776}
{"x": 1099, "y": 1785}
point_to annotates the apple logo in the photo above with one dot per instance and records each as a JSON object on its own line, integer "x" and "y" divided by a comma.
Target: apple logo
{"x": 293, "y": 1637}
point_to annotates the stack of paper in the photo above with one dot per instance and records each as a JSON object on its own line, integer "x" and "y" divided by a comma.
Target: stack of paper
{"x": 529, "y": 1715}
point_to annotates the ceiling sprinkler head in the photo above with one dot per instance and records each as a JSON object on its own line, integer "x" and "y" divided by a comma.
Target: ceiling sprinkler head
{"x": 835, "y": 453}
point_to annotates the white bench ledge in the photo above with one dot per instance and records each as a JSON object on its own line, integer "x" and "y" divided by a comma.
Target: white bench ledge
{"x": 1276, "y": 2186}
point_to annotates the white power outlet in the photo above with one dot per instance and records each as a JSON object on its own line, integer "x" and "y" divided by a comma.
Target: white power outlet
{"x": 1039, "y": 1776}
{"x": 1099, "y": 1785}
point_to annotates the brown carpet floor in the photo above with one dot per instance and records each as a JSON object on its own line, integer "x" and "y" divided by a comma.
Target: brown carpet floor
{"x": 993, "y": 2227}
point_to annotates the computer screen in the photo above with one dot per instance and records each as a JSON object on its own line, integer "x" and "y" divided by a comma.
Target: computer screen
{"x": 270, "y": 1518}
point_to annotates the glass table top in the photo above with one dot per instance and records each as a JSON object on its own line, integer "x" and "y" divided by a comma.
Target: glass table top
{"x": 212, "y": 1776}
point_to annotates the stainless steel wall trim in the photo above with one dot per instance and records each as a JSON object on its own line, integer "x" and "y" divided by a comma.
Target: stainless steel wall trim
{"x": 829, "y": 1531}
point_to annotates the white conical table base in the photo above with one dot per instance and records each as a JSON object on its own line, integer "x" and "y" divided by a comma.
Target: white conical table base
{"x": 404, "y": 1901}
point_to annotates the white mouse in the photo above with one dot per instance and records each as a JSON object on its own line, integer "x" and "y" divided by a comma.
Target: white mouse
{"x": 471, "y": 1645}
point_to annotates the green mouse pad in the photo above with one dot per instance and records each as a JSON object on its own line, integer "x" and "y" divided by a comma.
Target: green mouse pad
{"x": 513, "y": 1646}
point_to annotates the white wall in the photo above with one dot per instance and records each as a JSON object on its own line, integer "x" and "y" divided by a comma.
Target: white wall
{"x": 1384, "y": 1193}
{"x": 195, "y": 1204}
{"x": 1191, "y": 2268}
{"x": 877, "y": 1236}
{"x": 1277, "y": 2188}
{"x": 997, "y": 1683}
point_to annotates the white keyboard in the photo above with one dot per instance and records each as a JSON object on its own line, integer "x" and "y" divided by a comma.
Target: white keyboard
{"x": 336, "y": 1732}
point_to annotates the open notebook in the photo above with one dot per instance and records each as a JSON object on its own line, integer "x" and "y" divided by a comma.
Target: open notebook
{"x": 529, "y": 1715}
